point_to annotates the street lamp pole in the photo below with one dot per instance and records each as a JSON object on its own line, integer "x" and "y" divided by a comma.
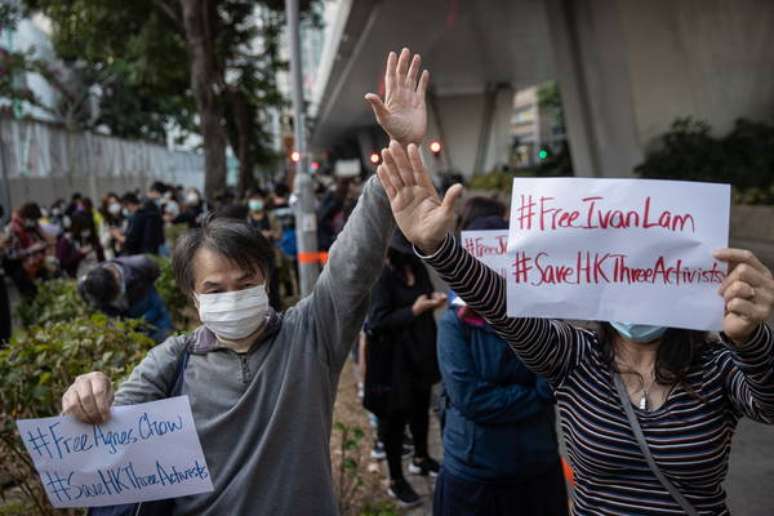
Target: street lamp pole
{"x": 306, "y": 218}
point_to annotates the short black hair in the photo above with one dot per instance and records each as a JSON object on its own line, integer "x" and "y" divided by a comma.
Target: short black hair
{"x": 478, "y": 207}
{"x": 130, "y": 198}
{"x": 233, "y": 239}
{"x": 234, "y": 210}
{"x": 98, "y": 287}
{"x": 159, "y": 187}
{"x": 30, "y": 211}
{"x": 281, "y": 190}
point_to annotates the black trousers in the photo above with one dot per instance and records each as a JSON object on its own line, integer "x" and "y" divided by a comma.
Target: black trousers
{"x": 392, "y": 429}
{"x": 541, "y": 495}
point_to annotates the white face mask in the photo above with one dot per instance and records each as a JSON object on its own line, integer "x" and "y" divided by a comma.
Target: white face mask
{"x": 234, "y": 315}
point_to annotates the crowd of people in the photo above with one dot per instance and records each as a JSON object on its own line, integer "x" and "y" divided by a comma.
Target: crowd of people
{"x": 107, "y": 247}
{"x": 262, "y": 381}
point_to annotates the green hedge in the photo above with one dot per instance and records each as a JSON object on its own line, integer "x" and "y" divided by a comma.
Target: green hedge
{"x": 56, "y": 300}
{"x": 744, "y": 157}
{"x": 61, "y": 337}
{"x": 37, "y": 367}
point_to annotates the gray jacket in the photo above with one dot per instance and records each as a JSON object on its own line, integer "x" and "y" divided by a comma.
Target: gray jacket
{"x": 264, "y": 417}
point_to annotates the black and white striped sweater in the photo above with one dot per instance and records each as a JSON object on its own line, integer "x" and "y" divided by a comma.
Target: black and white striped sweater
{"x": 689, "y": 438}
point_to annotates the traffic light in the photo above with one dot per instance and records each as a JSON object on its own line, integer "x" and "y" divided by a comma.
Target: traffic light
{"x": 374, "y": 158}
{"x": 544, "y": 153}
{"x": 435, "y": 148}
{"x": 295, "y": 156}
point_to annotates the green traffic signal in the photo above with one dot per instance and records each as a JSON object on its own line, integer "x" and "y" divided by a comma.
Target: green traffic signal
{"x": 542, "y": 154}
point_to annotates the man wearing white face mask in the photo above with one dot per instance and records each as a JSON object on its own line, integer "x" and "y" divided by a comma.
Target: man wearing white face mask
{"x": 262, "y": 385}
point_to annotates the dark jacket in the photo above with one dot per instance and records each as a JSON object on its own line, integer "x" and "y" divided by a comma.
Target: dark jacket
{"x": 145, "y": 232}
{"x": 142, "y": 300}
{"x": 500, "y": 421}
{"x": 401, "y": 346}
{"x": 140, "y": 275}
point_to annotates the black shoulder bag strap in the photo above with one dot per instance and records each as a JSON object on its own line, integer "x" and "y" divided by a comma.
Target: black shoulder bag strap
{"x": 635, "y": 424}
{"x": 182, "y": 363}
{"x": 154, "y": 507}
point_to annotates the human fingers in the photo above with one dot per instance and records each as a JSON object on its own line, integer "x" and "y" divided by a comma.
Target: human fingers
{"x": 87, "y": 401}
{"x": 424, "y": 80}
{"x": 380, "y": 110}
{"x": 413, "y": 72}
{"x": 103, "y": 394}
{"x": 417, "y": 167}
{"x": 738, "y": 289}
{"x": 384, "y": 177}
{"x": 452, "y": 194}
{"x": 740, "y": 256}
{"x": 745, "y": 308}
{"x": 403, "y": 164}
{"x": 71, "y": 405}
{"x": 742, "y": 272}
{"x": 390, "y": 71}
{"x": 403, "y": 65}
{"x": 388, "y": 161}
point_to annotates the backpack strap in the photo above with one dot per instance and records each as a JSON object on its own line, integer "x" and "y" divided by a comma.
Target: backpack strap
{"x": 177, "y": 385}
{"x": 623, "y": 396}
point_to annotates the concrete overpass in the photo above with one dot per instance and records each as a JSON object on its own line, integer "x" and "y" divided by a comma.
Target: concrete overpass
{"x": 626, "y": 70}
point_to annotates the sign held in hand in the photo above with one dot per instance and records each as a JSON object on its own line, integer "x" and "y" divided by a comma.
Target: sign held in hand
{"x": 144, "y": 452}
{"x": 637, "y": 251}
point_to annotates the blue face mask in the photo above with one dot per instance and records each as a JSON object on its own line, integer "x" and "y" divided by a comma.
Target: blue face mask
{"x": 638, "y": 332}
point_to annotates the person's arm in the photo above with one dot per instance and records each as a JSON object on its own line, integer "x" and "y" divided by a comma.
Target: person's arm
{"x": 547, "y": 347}
{"x": 339, "y": 300}
{"x": 748, "y": 373}
{"x": 748, "y": 293}
{"x": 90, "y": 397}
{"x": 153, "y": 378}
{"x": 477, "y": 399}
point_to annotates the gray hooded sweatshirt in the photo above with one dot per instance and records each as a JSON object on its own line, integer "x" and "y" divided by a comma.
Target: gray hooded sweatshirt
{"x": 264, "y": 417}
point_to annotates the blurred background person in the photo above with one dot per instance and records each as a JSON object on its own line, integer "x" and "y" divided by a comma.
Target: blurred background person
{"x": 401, "y": 363}
{"x": 26, "y": 247}
{"x": 77, "y": 247}
{"x": 125, "y": 287}
{"x": 333, "y": 212}
{"x": 192, "y": 209}
{"x": 288, "y": 259}
{"x": 144, "y": 231}
{"x": 501, "y": 453}
{"x": 112, "y": 219}
{"x": 261, "y": 220}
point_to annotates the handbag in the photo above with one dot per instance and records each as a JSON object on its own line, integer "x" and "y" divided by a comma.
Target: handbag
{"x": 635, "y": 424}
{"x": 154, "y": 507}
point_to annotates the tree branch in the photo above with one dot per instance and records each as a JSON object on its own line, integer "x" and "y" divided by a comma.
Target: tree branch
{"x": 171, "y": 14}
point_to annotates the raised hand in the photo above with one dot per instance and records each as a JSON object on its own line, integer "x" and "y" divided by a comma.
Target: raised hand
{"x": 402, "y": 114}
{"x": 748, "y": 291}
{"x": 419, "y": 212}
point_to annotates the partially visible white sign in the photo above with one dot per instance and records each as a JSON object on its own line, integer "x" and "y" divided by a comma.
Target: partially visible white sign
{"x": 347, "y": 168}
{"x": 637, "y": 251}
{"x": 490, "y": 247}
{"x": 144, "y": 452}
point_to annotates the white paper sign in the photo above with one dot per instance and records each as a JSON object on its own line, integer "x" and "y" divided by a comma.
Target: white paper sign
{"x": 490, "y": 247}
{"x": 637, "y": 251}
{"x": 144, "y": 452}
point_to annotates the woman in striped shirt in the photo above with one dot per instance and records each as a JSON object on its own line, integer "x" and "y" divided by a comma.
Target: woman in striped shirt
{"x": 689, "y": 391}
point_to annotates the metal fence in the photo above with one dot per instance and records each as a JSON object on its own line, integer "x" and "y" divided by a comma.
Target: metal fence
{"x": 42, "y": 162}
